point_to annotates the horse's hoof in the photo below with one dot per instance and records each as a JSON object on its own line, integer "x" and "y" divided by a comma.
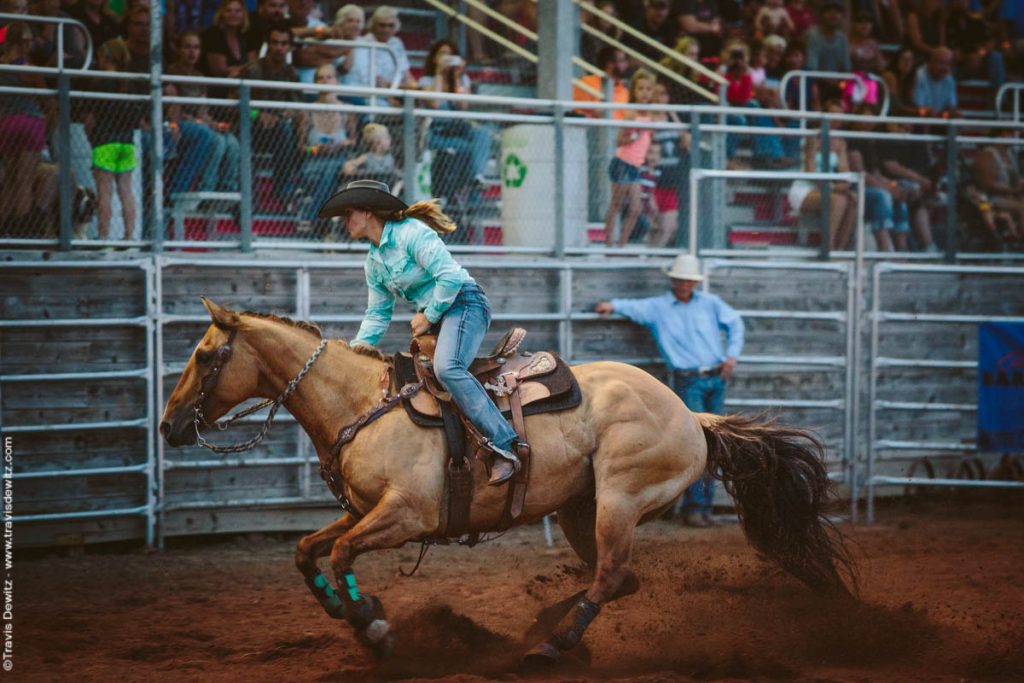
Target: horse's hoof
{"x": 379, "y": 638}
{"x": 544, "y": 654}
{"x": 385, "y": 647}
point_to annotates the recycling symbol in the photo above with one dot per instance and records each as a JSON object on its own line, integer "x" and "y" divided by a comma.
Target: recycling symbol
{"x": 514, "y": 171}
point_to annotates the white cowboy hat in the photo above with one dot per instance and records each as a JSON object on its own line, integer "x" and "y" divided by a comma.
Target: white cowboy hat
{"x": 685, "y": 267}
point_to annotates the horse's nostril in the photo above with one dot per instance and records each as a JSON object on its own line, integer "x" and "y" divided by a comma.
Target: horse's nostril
{"x": 165, "y": 428}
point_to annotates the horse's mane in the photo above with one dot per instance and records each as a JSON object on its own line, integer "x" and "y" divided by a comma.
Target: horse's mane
{"x": 301, "y": 324}
{"x": 361, "y": 349}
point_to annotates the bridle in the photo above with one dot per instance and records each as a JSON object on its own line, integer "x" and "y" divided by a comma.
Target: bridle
{"x": 221, "y": 356}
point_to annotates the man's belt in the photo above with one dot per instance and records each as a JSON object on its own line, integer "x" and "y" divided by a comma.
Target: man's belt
{"x": 701, "y": 372}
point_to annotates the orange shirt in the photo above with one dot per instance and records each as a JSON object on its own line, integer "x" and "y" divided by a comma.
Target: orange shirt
{"x": 620, "y": 95}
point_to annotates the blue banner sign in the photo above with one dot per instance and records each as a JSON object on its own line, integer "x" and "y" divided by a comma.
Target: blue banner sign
{"x": 1001, "y": 387}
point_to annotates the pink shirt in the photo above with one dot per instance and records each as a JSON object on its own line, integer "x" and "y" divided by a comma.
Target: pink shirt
{"x": 634, "y": 151}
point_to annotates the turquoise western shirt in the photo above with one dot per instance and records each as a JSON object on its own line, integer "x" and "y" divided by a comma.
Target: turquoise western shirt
{"x": 413, "y": 263}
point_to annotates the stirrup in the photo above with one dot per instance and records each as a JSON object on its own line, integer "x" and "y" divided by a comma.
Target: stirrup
{"x": 505, "y": 466}
{"x": 503, "y": 453}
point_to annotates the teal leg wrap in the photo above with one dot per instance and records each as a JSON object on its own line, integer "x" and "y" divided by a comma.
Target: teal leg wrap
{"x": 326, "y": 595}
{"x": 350, "y": 585}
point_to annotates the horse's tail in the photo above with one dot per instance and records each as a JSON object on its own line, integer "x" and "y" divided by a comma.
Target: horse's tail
{"x": 777, "y": 476}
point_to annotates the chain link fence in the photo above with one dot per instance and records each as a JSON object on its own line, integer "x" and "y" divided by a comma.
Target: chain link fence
{"x": 248, "y": 163}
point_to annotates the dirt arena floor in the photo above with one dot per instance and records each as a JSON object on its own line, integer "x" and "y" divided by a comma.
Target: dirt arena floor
{"x": 942, "y": 588}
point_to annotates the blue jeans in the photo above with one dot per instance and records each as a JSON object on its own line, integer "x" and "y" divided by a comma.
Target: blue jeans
{"x": 320, "y": 178}
{"x": 882, "y": 212}
{"x": 221, "y": 172}
{"x": 193, "y": 151}
{"x": 476, "y": 144}
{"x": 462, "y": 329}
{"x": 701, "y": 395}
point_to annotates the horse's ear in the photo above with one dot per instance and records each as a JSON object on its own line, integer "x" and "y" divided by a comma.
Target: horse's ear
{"x": 221, "y": 316}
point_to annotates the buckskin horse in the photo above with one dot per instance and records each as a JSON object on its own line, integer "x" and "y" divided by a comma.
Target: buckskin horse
{"x": 618, "y": 459}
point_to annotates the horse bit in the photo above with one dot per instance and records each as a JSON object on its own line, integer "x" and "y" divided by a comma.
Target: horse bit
{"x": 221, "y": 356}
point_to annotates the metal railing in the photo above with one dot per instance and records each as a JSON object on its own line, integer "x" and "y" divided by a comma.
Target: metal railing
{"x": 146, "y": 423}
{"x": 849, "y": 320}
{"x": 650, "y": 42}
{"x": 879, "y": 316}
{"x": 61, "y": 23}
{"x": 569, "y": 322}
{"x": 1007, "y": 89}
{"x": 244, "y": 223}
{"x": 831, "y": 75}
{"x": 373, "y": 47}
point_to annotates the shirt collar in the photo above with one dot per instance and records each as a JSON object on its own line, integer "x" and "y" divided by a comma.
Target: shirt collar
{"x": 386, "y": 236}
{"x": 676, "y": 302}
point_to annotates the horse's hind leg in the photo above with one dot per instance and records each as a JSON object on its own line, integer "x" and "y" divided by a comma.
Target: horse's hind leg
{"x": 615, "y": 522}
{"x": 578, "y": 520}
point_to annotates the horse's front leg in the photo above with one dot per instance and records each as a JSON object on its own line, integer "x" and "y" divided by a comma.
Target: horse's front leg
{"x": 390, "y": 524}
{"x": 311, "y": 548}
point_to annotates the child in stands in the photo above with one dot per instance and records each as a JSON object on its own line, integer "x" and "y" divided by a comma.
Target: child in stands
{"x": 624, "y": 170}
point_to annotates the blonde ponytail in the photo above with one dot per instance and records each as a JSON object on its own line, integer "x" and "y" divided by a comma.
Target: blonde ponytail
{"x": 429, "y": 212}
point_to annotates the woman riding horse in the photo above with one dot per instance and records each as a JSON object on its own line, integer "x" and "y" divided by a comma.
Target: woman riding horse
{"x": 407, "y": 259}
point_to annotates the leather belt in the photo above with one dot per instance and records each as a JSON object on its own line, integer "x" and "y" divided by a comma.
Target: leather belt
{"x": 700, "y": 372}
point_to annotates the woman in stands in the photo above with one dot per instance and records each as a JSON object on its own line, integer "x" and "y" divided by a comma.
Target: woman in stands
{"x": 804, "y": 195}
{"x": 348, "y": 25}
{"x": 408, "y": 260}
{"x": 624, "y": 170}
{"x": 901, "y": 79}
{"x": 228, "y": 45}
{"x": 444, "y": 71}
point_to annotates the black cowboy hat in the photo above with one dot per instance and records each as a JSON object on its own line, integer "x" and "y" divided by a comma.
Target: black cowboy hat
{"x": 368, "y": 195}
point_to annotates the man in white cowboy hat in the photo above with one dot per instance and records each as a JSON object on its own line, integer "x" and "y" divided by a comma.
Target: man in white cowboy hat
{"x": 687, "y": 326}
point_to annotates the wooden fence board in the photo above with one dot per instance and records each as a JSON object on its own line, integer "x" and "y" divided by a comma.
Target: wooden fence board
{"x": 54, "y": 294}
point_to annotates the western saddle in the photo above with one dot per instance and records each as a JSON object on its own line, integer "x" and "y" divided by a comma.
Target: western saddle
{"x": 519, "y": 383}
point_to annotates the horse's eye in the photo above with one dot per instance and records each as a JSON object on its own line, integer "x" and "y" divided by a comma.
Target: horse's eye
{"x": 204, "y": 357}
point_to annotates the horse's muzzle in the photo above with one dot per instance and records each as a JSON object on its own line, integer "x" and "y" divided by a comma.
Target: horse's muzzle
{"x": 178, "y": 432}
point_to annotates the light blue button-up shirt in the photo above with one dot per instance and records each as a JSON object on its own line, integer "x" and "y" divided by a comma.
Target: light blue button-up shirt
{"x": 411, "y": 262}
{"x": 688, "y": 335}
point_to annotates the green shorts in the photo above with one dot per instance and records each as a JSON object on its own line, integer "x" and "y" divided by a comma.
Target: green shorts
{"x": 116, "y": 157}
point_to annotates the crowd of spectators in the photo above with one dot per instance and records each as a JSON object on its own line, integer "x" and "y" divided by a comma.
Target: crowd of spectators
{"x": 308, "y": 153}
{"x": 919, "y": 50}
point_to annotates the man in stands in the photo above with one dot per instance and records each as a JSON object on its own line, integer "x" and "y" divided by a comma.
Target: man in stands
{"x": 687, "y": 326}
{"x": 657, "y": 24}
{"x": 269, "y": 14}
{"x": 101, "y": 25}
{"x": 700, "y": 19}
{"x": 827, "y": 47}
{"x": 303, "y": 25}
{"x": 615, "y": 66}
{"x": 935, "y": 90}
{"x": 278, "y": 132}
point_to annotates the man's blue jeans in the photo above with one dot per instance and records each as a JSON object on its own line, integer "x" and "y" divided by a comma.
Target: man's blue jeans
{"x": 194, "y": 150}
{"x": 462, "y": 329}
{"x": 701, "y": 395}
{"x": 476, "y": 144}
{"x": 221, "y": 172}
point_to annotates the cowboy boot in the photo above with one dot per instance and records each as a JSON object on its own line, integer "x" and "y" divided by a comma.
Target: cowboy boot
{"x": 506, "y": 464}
